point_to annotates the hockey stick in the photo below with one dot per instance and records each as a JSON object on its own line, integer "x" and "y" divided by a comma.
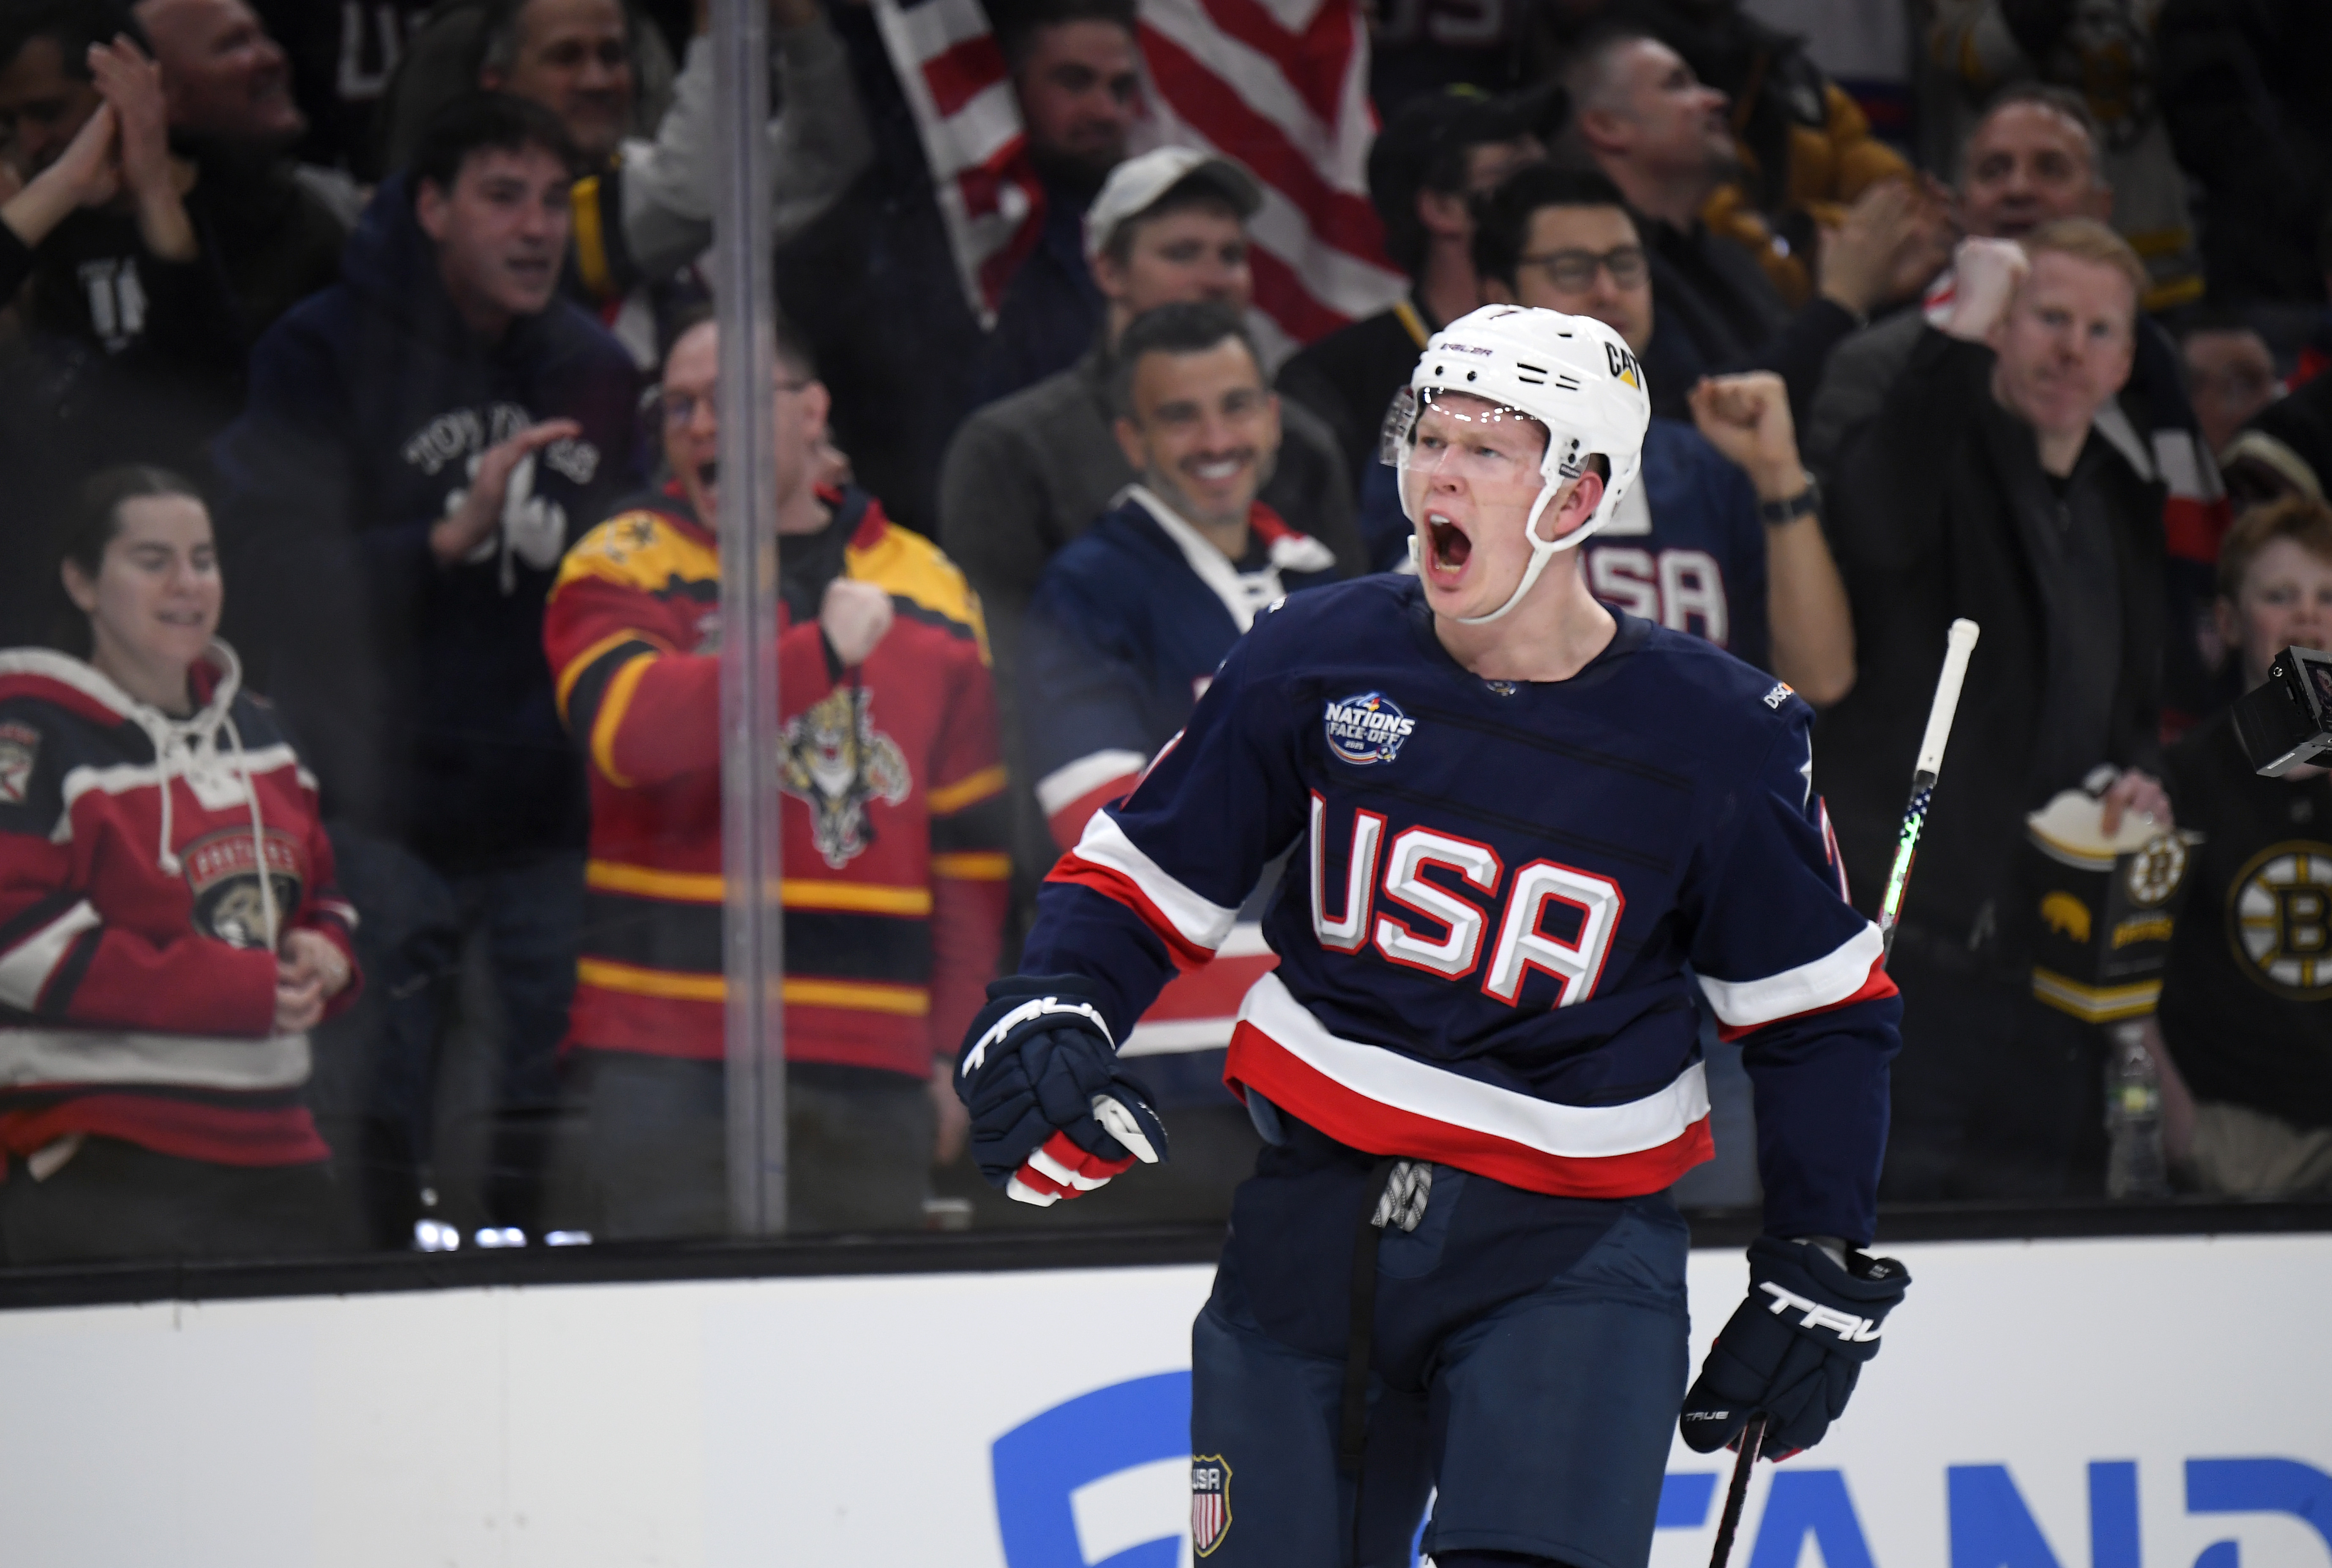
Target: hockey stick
{"x": 1956, "y": 650}
{"x": 1752, "y": 1438}
{"x": 1961, "y": 644}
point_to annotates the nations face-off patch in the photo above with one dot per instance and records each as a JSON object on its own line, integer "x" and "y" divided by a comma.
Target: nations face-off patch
{"x": 1210, "y": 1502}
{"x": 1367, "y": 729}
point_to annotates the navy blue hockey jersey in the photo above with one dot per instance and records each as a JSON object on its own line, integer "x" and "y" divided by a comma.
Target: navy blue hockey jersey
{"x": 1484, "y": 960}
{"x": 1685, "y": 547}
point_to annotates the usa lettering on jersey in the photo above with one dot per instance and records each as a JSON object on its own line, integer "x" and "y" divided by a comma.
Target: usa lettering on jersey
{"x": 1523, "y": 945}
{"x": 1681, "y": 589}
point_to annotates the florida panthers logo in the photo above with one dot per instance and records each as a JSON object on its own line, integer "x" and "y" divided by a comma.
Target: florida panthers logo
{"x": 834, "y": 760}
{"x": 222, "y": 872}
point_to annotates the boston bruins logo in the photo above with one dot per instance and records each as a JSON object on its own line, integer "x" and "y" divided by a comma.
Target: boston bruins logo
{"x": 222, "y": 872}
{"x": 834, "y": 760}
{"x": 2156, "y": 870}
{"x": 2279, "y": 920}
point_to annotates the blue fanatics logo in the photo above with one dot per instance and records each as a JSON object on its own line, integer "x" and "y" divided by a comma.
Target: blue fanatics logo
{"x": 1367, "y": 729}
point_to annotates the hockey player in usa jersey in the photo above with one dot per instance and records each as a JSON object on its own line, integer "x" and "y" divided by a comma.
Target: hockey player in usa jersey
{"x": 1521, "y": 817}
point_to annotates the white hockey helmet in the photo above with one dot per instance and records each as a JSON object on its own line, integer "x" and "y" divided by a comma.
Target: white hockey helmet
{"x": 1572, "y": 373}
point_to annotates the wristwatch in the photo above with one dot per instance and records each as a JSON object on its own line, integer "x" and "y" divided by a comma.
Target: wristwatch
{"x": 1806, "y": 503}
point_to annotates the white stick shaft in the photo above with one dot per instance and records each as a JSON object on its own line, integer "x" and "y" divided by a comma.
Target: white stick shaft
{"x": 1948, "y": 696}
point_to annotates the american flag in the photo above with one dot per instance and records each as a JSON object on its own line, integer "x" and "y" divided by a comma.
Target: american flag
{"x": 952, "y": 69}
{"x": 1280, "y": 85}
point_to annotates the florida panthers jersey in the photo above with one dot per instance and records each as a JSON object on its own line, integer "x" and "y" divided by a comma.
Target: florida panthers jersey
{"x": 1500, "y": 898}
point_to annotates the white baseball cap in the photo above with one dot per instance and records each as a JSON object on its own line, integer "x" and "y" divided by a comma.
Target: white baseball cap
{"x": 1140, "y": 184}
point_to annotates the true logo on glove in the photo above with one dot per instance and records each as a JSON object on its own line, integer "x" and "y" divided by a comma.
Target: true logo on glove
{"x": 977, "y": 1057}
{"x": 1845, "y": 1325}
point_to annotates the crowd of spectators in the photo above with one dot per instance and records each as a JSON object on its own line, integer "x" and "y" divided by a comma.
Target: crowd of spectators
{"x": 361, "y": 740}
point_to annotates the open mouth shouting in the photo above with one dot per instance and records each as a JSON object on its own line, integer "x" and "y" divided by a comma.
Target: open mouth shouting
{"x": 1447, "y": 546}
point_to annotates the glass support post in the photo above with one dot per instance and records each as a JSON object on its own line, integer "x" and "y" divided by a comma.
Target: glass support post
{"x": 754, "y": 925}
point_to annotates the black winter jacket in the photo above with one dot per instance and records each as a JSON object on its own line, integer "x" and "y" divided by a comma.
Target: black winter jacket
{"x": 1926, "y": 525}
{"x": 420, "y": 692}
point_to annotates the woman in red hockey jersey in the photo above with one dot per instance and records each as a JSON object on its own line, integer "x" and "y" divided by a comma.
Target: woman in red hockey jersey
{"x": 169, "y": 931}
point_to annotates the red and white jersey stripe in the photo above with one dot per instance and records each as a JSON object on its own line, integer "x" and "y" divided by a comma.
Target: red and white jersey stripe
{"x": 1854, "y": 971}
{"x": 1192, "y": 927}
{"x": 1385, "y": 1103}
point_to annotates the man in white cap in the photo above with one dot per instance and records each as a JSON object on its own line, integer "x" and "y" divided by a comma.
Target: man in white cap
{"x": 1527, "y": 839}
{"x": 1029, "y": 473}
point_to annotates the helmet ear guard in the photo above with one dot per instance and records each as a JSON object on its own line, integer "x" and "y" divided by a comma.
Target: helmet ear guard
{"x": 1573, "y": 374}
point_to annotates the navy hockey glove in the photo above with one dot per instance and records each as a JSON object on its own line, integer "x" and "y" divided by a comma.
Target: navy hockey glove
{"x": 1053, "y": 1116}
{"x": 1793, "y": 1348}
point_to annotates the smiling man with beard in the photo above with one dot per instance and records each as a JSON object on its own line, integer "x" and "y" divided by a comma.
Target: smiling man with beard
{"x": 1124, "y": 635}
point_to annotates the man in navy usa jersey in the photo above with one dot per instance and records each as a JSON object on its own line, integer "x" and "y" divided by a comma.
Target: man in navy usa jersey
{"x": 1515, "y": 819}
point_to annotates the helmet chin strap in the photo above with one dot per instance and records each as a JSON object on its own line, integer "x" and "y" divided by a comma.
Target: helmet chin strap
{"x": 1542, "y": 550}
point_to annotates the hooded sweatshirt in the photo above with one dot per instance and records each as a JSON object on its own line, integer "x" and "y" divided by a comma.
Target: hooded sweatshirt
{"x": 138, "y": 938}
{"x": 420, "y": 690}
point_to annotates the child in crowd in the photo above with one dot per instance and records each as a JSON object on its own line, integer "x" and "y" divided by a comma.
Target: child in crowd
{"x": 2247, "y": 1003}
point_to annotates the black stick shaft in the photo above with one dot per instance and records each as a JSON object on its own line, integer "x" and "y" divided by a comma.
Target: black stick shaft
{"x": 1752, "y": 1438}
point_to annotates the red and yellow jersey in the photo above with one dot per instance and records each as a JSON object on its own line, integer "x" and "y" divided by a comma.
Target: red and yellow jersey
{"x": 895, "y": 818}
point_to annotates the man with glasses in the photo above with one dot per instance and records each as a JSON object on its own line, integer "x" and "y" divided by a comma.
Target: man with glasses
{"x": 1723, "y": 537}
{"x": 894, "y": 824}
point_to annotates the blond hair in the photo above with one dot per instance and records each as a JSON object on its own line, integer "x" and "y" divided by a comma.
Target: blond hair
{"x": 2303, "y": 519}
{"x": 2088, "y": 239}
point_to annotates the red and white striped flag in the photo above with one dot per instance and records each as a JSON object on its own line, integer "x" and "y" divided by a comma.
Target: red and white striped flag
{"x": 952, "y": 69}
{"x": 1283, "y": 87}
{"x": 1280, "y": 85}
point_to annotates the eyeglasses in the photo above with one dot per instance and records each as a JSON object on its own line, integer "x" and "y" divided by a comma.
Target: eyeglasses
{"x": 680, "y": 407}
{"x": 1574, "y": 271}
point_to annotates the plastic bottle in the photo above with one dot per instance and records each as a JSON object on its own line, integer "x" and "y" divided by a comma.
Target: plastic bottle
{"x": 2135, "y": 1167}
